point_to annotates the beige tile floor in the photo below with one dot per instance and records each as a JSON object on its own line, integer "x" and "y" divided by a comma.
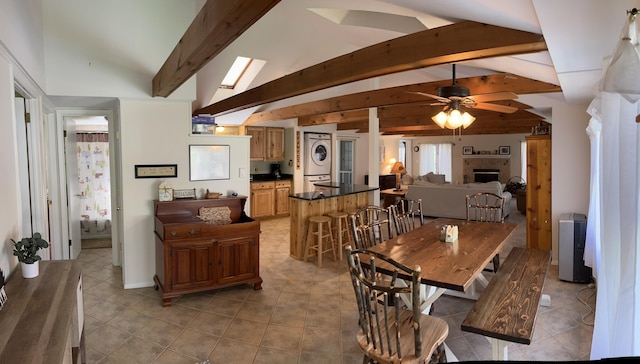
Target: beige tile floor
{"x": 302, "y": 315}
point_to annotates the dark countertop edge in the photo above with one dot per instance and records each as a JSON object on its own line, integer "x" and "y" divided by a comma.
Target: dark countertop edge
{"x": 318, "y": 195}
{"x": 271, "y": 178}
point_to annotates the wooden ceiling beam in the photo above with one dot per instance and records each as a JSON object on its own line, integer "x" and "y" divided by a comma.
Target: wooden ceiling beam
{"x": 453, "y": 43}
{"x": 217, "y": 25}
{"x": 400, "y": 95}
{"x": 333, "y": 118}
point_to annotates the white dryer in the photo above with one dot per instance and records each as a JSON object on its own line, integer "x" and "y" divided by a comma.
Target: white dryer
{"x": 317, "y": 147}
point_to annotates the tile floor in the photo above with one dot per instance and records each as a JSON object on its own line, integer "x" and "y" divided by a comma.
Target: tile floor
{"x": 302, "y": 315}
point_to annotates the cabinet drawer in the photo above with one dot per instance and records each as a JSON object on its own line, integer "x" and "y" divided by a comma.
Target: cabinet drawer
{"x": 182, "y": 232}
{"x": 262, "y": 185}
{"x": 283, "y": 184}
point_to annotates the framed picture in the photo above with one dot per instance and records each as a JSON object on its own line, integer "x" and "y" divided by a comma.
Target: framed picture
{"x": 504, "y": 150}
{"x": 208, "y": 162}
{"x": 156, "y": 170}
{"x": 467, "y": 150}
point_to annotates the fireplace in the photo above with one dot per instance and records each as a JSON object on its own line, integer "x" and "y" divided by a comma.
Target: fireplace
{"x": 486, "y": 174}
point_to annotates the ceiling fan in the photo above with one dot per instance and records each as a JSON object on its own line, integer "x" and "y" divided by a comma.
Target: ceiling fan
{"x": 454, "y": 96}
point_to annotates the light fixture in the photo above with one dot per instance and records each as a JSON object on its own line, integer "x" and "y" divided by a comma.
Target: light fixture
{"x": 398, "y": 169}
{"x": 452, "y": 118}
{"x": 623, "y": 72}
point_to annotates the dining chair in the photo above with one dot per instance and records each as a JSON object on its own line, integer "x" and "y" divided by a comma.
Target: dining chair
{"x": 488, "y": 207}
{"x": 370, "y": 226}
{"x": 393, "y": 333}
{"x": 406, "y": 214}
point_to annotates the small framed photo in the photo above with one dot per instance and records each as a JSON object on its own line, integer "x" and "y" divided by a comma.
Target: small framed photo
{"x": 467, "y": 150}
{"x": 504, "y": 150}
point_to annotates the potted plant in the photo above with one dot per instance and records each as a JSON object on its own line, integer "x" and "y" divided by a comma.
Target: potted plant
{"x": 27, "y": 252}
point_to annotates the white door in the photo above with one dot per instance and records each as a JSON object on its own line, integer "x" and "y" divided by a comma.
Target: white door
{"x": 73, "y": 187}
{"x": 23, "y": 163}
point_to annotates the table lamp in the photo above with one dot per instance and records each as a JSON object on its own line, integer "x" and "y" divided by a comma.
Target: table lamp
{"x": 398, "y": 169}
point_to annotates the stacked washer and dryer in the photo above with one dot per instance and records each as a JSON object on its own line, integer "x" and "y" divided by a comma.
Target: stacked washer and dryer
{"x": 317, "y": 160}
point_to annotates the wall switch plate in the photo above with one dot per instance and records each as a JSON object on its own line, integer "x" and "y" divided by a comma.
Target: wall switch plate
{"x": 242, "y": 173}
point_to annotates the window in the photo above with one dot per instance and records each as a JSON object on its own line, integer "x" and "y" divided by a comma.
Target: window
{"x": 436, "y": 158}
{"x": 523, "y": 160}
{"x": 402, "y": 153}
{"x": 236, "y": 71}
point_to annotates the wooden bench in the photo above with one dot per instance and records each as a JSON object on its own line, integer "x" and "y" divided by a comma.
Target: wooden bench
{"x": 506, "y": 309}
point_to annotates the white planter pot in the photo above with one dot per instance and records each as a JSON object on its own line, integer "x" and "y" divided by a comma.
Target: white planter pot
{"x": 30, "y": 270}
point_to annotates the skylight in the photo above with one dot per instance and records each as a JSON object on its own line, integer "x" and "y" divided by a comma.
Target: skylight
{"x": 236, "y": 71}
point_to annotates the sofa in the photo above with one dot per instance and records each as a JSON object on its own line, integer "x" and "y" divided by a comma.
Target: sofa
{"x": 449, "y": 200}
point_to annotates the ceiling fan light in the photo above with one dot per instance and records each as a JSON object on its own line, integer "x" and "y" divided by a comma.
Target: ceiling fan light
{"x": 440, "y": 119}
{"x": 455, "y": 119}
{"x": 467, "y": 119}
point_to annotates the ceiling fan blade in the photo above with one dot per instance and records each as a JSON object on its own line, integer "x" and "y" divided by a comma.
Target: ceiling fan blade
{"x": 495, "y": 107}
{"x": 439, "y": 98}
{"x": 494, "y": 96}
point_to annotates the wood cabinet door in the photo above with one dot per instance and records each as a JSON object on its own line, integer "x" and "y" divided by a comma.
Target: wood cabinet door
{"x": 282, "y": 200}
{"x": 257, "y": 145}
{"x": 262, "y": 202}
{"x": 192, "y": 265}
{"x": 275, "y": 144}
{"x": 237, "y": 259}
{"x": 539, "y": 192}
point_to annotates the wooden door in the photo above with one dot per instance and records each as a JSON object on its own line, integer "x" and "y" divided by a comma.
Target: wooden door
{"x": 191, "y": 265}
{"x": 275, "y": 144}
{"x": 257, "y": 145}
{"x": 237, "y": 259}
{"x": 539, "y": 192}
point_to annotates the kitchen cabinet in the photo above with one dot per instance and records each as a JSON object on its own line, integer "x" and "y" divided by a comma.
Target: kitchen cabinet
{"x": 262, "y": 199}
{"x": 195, "y": 256}
{"x": 267, "y": 143}
{"x": 283, "y": 190}
{"x": 538, "y": 193}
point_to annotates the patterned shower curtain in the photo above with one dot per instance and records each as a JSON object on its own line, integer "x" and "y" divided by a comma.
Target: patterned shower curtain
{"x": 94, "y": 180}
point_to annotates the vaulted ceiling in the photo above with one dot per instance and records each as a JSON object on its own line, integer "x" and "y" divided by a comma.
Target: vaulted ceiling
{"x": 321, "y": 58}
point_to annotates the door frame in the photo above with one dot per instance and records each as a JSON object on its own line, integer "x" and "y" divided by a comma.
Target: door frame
{"x": 57, "y": 136}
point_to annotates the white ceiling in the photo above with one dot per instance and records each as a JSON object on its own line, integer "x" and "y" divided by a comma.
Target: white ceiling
{"x": 299, "y": 33}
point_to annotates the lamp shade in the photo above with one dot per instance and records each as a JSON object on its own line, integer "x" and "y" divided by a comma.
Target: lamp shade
{"x": 453, "y": 119}
{"x": 398, "y": 167}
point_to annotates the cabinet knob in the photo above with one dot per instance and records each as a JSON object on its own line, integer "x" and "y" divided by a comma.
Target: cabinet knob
{"x": 174, "y": 233}
{"x": 192, "y": 232}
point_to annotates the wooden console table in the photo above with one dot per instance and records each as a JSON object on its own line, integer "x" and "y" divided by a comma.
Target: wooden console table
{"x": 43, "y": 318}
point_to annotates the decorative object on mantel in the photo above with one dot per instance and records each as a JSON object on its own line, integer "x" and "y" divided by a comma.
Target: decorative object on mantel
{"x": 467, "y": 150}
{"x": 189, "y": 193}
{"x": 504, "y": 150}
{"x": 27, "y": 252}
{"x": 212, "y": 194}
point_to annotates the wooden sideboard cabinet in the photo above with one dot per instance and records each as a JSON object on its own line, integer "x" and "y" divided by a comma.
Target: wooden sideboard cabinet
{"x": 194, "y": 256}
{"x": 43, "y": 318}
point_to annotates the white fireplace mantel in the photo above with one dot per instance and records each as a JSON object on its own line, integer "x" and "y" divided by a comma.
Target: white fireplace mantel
{"x": 475, "y": 156}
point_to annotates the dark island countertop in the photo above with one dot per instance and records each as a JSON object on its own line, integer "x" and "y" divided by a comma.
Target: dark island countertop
{"x": 335, "y": 191}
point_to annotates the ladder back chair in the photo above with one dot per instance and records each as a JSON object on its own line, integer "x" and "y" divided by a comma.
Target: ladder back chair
{"x": 489, "y": 207}
{"x": 391, "y": 333}
{"x": 406, "y": 215}
{"x": 370, "y": 226}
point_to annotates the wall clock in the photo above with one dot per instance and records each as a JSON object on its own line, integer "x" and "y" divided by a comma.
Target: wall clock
{"x": 416, "y": 148}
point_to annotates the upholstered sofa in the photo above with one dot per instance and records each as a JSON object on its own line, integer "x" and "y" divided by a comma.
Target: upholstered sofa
{"x": 449, "y": 200}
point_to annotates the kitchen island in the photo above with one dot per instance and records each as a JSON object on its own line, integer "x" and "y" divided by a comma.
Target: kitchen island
{"x": 343, "y": 197}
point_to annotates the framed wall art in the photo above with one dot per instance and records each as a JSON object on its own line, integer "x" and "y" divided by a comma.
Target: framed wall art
{"x": 156, "y": 170}
{"x": 209, "y": 162}
{"x": 504, "y": 150}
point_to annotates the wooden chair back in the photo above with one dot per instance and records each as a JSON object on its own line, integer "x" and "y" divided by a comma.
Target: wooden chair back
{"x": 389, "y": 333}
{"x": 370, "y": 226}
{"x": 486, "y": 206}
{"x": 406, "y": 215}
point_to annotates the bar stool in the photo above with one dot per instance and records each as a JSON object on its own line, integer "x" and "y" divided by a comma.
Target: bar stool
{"x": 341, "y": 228}
{"x": 320, "y": 223}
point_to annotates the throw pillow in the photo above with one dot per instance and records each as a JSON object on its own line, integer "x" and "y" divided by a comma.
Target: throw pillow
{"x": 407, "y": 179}
{"x": 435, "y": 178}
{"x": 215, "y": 215}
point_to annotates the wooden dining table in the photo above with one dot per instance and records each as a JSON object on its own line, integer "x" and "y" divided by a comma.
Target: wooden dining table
{"x": 447, "y": 266}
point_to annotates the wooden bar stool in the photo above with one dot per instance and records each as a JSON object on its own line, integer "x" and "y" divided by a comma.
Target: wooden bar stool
{"x": 341, "y": 228}
{"x": 317, "y": 226}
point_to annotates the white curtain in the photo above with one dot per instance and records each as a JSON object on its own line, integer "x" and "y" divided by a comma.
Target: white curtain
{"x": 612, "y": 227}
{"x": 436, "y": 158}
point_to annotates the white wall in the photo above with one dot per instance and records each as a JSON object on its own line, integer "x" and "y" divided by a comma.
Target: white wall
{"x": 158, "y": 132}
{"x": 135, "y": 39}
